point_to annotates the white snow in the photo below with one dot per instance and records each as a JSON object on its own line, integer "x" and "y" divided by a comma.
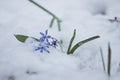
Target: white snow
{"x": 19, "y": 61}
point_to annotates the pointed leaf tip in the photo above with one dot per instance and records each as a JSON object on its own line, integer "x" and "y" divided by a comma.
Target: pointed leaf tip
{"x": 21, "y": 38}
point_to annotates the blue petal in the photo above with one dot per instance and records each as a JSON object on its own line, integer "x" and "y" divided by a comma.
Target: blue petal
{"x": 41, "y": 51}
{"x": 42, "y": 33}
{"x": 54, "y": 43}
{"x": 48, "y": 36}
{"x": 42, "y": 39}
{"x": 47, "y": 40}
{"x": 46, "y": 50}
{"x": 37, "y": 48}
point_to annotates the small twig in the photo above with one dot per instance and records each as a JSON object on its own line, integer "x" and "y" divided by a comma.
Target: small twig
{"x": 31, "y": 72}
{"x": 114, "y": 20}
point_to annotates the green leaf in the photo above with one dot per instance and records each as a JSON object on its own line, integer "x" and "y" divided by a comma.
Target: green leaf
{"x": 52, "y": 21}
{"x": 22, "y": 38}
{"x": 50, "y": 13}
{"x": 109, "y": 60}
{"x": 103, "y": 61}
{"x": 81, "y": 43}
{"x": 59, "y": 25}
{"x": 71, "y": 41}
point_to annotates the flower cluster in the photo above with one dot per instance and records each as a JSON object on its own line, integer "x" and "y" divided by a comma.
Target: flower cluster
{"x": 46, "y": 41}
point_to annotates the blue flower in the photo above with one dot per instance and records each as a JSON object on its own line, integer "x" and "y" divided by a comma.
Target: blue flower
{"x": 54, "y": 43}
{"x": 46, "y": 41}
{"x": 41, "y": 48}
{"x": 45, "y": 37}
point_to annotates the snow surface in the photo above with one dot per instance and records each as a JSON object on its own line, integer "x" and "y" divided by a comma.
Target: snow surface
{"x": 18, "y": 61}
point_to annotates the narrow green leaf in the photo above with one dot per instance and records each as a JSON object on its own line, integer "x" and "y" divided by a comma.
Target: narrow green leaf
{"x": 52, "y": 21}
{"x": 59, "y": 25}
{"x": 41, "y": 7}
{"x": 49, "y": 12}
{"x": 71, "y": 41}
{"x": 22, "y": 38}
{"x": 81, "y": 43}
{"x": 103, "y": 62}
{"x": 109, "y": 60}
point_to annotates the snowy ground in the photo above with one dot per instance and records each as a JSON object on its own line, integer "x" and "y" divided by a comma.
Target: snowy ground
{"x": 18, "y": 61}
